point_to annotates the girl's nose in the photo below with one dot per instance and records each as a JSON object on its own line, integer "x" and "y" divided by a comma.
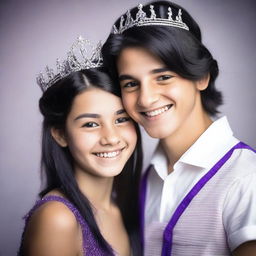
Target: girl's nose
{"x": 110, "y": 136}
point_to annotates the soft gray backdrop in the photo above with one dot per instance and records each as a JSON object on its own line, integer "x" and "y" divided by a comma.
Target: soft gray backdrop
{"x": 34, "y": 33}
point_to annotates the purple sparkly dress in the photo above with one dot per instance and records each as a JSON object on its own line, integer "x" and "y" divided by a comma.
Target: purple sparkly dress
{"x": 90, "y": 245}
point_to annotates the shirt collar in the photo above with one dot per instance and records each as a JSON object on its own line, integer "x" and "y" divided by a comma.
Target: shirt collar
{"x": 211, "y": 145}
{"x": 160, "y": 162}
{"x": 204, "y": 153}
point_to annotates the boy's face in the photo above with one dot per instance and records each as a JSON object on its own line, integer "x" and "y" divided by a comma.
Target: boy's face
{"x": 158, "y": 99}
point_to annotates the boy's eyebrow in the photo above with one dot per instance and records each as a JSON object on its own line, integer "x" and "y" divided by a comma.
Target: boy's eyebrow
{"x": 159, "y": 70}
{"x": 154, "y": 71}
{"x": 125, "y": 77}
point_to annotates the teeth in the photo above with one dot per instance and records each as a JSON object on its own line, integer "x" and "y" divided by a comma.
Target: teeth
{"x": 156, "y": 112}
{"x": 108, "y": 155}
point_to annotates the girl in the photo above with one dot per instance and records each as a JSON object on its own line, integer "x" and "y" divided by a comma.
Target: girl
{"x": 91, "y": 159}
{"x": 198, "y": 195}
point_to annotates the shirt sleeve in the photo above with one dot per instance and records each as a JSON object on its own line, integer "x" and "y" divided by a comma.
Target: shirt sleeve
{"x": 239, "y": 215}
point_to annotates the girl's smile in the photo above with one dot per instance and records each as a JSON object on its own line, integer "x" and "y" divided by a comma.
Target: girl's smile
{"x": 100, "y": 139}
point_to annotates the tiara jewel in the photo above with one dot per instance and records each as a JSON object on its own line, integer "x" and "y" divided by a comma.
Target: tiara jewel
{"x": 82, "y": 55}
{"x": 142, "y": 20}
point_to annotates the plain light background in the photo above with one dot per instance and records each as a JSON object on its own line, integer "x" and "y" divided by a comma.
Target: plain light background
{"x": 35, "y": 33}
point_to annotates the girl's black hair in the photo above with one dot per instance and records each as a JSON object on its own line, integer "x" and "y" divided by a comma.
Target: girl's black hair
{"x": 57, "y": 162}
{"x": 182, "y": 51}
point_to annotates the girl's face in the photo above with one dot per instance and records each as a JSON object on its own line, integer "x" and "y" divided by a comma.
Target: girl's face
{"x": 157, "y": 98}
{"x": 99, "y": 134}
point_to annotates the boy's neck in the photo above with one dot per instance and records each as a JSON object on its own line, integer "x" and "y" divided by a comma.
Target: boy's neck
{"x": 179, "y": 142}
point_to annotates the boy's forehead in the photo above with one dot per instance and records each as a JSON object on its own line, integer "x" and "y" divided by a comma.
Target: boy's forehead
{"x": 138, "y": 60}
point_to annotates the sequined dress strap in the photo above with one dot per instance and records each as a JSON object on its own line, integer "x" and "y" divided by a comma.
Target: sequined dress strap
{"x": 90, "y": 245}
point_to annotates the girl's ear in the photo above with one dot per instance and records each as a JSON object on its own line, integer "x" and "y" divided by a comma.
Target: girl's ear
{"x": 203, "y": 83}
{"x": 59, "y": 136}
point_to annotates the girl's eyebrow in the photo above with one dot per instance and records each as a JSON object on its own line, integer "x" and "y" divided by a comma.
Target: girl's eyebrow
{"x": 87, "y": 115}
{"x": 91, "y": 115}
{"x": 121, "y": 111}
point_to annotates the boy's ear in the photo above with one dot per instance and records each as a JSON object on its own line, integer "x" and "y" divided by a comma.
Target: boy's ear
{"x": 59, "y": 136}
{"x": 203, "y": 83}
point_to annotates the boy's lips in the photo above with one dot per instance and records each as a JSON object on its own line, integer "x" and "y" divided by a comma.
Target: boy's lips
{"x": 157, "y": 111}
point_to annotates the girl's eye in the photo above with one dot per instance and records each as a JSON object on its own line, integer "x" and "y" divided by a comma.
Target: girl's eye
{"x": 164, "y": 77}
{"x": 130, "y": 84}
{"x": 122, "y": 120}
{"x": 90, "y": 125}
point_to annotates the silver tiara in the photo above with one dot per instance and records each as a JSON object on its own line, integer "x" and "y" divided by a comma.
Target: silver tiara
{"x": 142, "y": 20}
{"x": 82, "y": 55}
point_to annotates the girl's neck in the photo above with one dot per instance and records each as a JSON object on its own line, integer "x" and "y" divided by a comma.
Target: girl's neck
{"x": 98, "y": 190}
{"x": 179, "y": 142}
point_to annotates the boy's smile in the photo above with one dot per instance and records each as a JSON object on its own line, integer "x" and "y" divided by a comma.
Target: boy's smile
{"x": 160, "y": 100}
{"x": 157, "y": 112}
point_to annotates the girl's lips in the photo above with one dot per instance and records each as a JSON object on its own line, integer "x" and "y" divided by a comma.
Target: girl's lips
{"x": 109, "y": 154}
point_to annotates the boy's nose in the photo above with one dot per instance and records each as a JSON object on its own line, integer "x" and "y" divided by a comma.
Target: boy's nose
{"x": 148, "y": 95}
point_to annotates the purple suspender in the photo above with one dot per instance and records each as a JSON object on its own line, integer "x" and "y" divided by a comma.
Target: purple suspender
{"x": 168, "y": 232}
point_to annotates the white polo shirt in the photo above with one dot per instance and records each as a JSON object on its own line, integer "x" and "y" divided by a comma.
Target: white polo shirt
{"x": 165, "y": 191}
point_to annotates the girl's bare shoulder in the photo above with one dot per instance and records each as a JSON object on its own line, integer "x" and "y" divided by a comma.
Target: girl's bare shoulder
{"x": 53, "y": 227}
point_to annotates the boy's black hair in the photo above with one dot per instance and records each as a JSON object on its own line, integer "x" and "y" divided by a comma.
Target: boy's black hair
{"x": 180, "y": 50}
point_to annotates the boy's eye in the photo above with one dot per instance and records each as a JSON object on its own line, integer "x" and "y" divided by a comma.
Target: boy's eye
{"x": 90, "y": 124}
{"x": 122, "y": 120}
{"x": 164, "y": 77}
{"x": 130, "y": 84}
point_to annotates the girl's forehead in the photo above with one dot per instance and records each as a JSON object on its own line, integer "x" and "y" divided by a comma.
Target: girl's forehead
{"x": 96, "y": 100}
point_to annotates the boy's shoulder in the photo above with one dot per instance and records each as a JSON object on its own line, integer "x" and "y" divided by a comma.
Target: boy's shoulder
{"x": 243, "y": 162}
